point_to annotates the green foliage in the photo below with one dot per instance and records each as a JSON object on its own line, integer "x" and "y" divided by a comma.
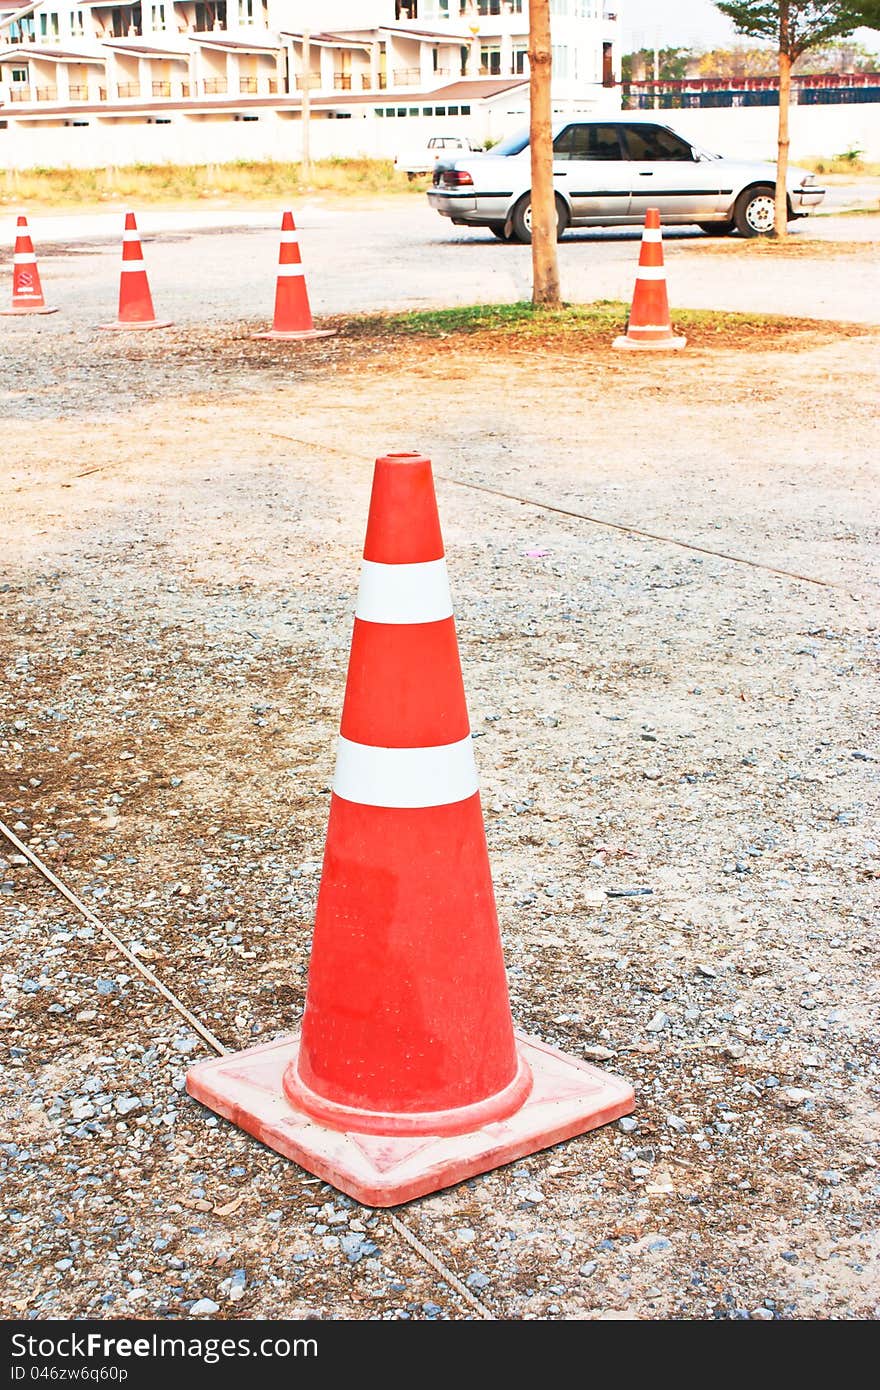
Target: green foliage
{"x": 794, "y": 25}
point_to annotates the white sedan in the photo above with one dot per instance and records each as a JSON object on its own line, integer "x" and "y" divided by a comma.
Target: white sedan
{"x": 608, "y": 173}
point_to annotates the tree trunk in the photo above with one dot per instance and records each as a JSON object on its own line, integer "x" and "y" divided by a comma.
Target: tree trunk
{"x": 545, "y": 267}
{"x": 780, "y": 227}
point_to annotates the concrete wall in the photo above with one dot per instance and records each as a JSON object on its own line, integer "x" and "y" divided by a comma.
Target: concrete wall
{"x": 748, "y": 132}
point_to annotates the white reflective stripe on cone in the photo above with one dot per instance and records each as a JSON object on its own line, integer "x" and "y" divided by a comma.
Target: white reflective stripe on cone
{"x": 290, "y": 270}
{"x": 133, "y": 265}
{"x": 652, "y": 234}
{"x": 651, "y": 272}
{"x": 404, "y": 593}
{"x": 24, "y": 258}
{"x": 131, "y": 236}
{"x": 289, "y": 238}
{"x": 405, "y": 777}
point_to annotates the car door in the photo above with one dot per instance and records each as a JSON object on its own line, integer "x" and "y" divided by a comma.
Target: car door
{"x": 591, "y": 168}
{"x": 666, "y": 175}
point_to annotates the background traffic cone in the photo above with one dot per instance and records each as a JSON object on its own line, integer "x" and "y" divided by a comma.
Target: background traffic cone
{"x": 135, "y": 301}
{"x": 649, "y": 326}
{"x": 407, "y": 1075}
{"x": 27, "y": 292}
{"x": 293, "y": 317}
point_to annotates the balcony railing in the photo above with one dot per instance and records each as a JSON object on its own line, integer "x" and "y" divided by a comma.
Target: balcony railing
{"x": 214, "y": 86}
{"x": 47, "y": 94}
{"x": 368, "y": 85}
{"x": 128, "y": 89}
{"x": 407, "y": 77}
{"x": 342, "y": 81}
{"x": 184, "y": 89}
{"x": 20, "y": 94}
{"x": 313, "y": 81}
{"x": 161, "y": 89}
{"x": 273, "y": 86}
{"x": 78, "y": 92}
{"x": 247, "y": 85}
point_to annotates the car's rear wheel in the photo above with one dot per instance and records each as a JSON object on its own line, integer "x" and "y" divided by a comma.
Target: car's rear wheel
{"x": 521, "y": 219}
{"x": 716, "y": 228}
{"x": 499, "y": 229}
{"x": 755, "y": 211}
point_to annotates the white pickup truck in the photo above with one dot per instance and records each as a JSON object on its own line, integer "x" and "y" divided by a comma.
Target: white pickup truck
{"x": 421, "y": 161}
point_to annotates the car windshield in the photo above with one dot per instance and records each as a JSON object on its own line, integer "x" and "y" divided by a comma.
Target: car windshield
{"x": 512, "y": 144}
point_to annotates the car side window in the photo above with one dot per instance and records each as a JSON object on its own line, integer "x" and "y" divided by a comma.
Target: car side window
{"x": 587, "y": 142}
{"x": 652, "y": 142}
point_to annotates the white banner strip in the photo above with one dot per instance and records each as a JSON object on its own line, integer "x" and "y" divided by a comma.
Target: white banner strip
{"x": 652, "y": 234}
{"x": 289, "y": 270}
{"x": 651, "y": 272}
{"x": 405, "y": 777}
{"x": 404, "y": 593}
{"x": 24, "y": 258}
{"x": 133, "y": 265}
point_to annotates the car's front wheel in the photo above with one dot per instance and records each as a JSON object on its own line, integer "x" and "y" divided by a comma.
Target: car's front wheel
{"x": 521, "y": 219}
{"x": 755, "y": 211}
{"x": 716, "y": 228}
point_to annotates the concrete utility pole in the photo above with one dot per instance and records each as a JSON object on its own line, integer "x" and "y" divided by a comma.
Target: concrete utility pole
{"x": 545, "y": 266}
{"x": 306, "y": 97}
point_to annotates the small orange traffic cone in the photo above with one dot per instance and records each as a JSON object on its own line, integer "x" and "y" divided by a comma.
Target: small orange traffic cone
{"x": 135, "y": 301}
{"x": 649, "y": 327}
{"x": 407, "y": 1074}
{"x": 27, "y": 292}
{"x": 293, "y": 317}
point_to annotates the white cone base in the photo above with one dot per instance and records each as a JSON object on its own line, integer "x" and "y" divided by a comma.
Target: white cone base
{"x": 20, "y": 313}
{"x": 671, "y": 344}
{"x": 297, "y": 337}
{"x": 568, "y": 1097}
{"x": 135, "y": 327}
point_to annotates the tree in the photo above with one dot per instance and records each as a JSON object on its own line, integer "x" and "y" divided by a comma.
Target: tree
{"x": 545, "y": 265}
{"x": 795, "y": 26}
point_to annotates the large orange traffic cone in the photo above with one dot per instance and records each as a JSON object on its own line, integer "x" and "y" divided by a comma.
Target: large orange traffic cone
{"x": 27, "y": 292}
{"x": 407, "y": 1075}
{"x": 293, "y": 317}
{"x": 649, "y": 326}
{"x": 135, "y": 301}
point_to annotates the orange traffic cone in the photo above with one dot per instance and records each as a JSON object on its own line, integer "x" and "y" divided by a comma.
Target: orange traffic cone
{"x": 649, "y": 326}
{"x": 135, "y": 301}
{"x": 407, "y": 1075}
{"x": 293, "y": 317}
{"x": 27, "y": 292}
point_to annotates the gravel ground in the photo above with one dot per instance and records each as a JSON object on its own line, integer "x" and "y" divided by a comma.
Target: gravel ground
{"x": 181, "y": 537}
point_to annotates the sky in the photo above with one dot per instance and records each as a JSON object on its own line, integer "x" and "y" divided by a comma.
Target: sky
{"x": 689, "y": 24}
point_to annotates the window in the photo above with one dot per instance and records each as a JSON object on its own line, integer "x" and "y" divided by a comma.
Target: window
{"x": 48, "y": 26}
{"x": 652, "y": 142}
{"x": 587, "y": 142}
{"x": 513, "y": 144}
{"x": 159, "y": 23}
{"x": 76, "y": 24}
{"x": 520, "y": 59}
{"x": 439, "y": 110}
{"x": 19, "y": 75}
{"x": 490, "y": 60}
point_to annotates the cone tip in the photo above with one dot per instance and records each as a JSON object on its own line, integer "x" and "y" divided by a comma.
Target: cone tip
{"x": 287, "y": 222}
{"x": 652, "y": 218}
{"x": 403, "y": 526}
{"x": 22, "y": 220}
{"x": 130, "y": 224}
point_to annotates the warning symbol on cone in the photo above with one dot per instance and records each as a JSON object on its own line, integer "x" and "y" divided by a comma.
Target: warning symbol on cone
{"x": 407, "y": 1074}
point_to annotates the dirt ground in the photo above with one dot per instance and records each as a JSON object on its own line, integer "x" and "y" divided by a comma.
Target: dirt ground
{"x": 182, "y": 520}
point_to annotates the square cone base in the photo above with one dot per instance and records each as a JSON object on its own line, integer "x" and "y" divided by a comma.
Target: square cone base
{"x": 625, "y": 344}
{"x": 569, "y": 1097}
{"x": 135, "y": 327}
{"x": 278, "y": 337}
{"x": 22, "y": 310}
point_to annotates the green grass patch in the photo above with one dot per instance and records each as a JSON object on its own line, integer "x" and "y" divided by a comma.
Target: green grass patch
{"x": 574, "y": 324}
{"x": 194, "y": 183}
{"x": 851, "y": 165}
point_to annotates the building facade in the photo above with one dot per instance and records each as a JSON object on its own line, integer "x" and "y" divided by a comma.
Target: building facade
{"x": 200, "y": 81}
